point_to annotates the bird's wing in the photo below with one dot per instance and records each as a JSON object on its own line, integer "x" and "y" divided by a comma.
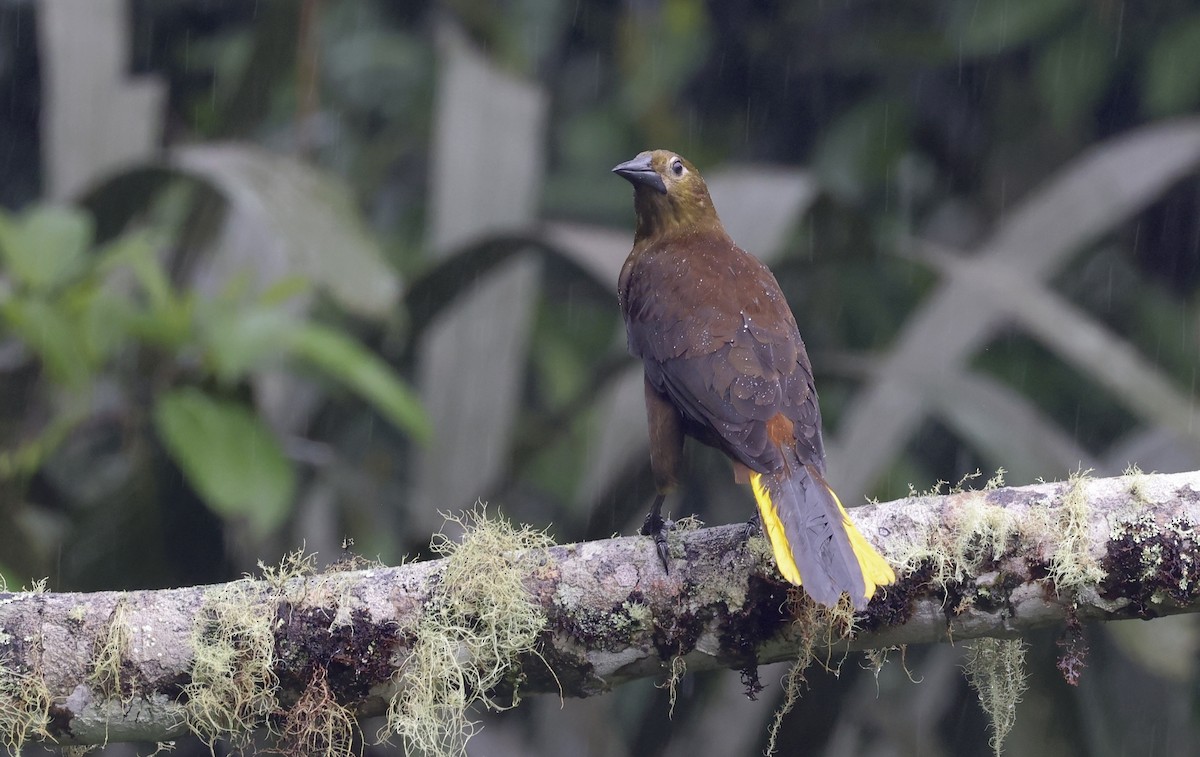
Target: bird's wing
{"x": 717, "y": 338}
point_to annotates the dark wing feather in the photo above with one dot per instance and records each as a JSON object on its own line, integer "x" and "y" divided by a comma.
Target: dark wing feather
{"x": 718, "y": 339}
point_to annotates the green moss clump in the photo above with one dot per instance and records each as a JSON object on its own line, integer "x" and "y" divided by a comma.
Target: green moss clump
{"x": 233, "y": 684}
{"x": 1072, "y": 566}
{"x": 474, "y": 629}
{"x": 111, "y": 649}
{"x": 24, "y": 708}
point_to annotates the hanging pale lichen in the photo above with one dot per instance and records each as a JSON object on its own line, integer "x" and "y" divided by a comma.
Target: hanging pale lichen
{"x": 995, "y": 668}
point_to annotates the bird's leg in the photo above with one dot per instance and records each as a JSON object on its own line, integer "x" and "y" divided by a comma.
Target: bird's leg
{"x": 666, "y": 459}
{"x": 754, "y": 526}
{"x": 655, "y": 526}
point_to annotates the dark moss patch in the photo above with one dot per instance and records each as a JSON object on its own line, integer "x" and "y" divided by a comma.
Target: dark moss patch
{"x": 677, "y": 636}
{"x": 761, "y": 616}
{"x": 750, "y": 681}
{"x": 58, "y": 722}
{"x": 608, "y": 630}
{"x": 893, "y": 605}
{"x": 1039, "y": 570}
{"x": 757, "y": 620}
{"x": 132, "y": 681}
{"x": 354, "y": 655}
{"x": 1073, "y": 658}
{"x": 1148, "y": 563}
{"x": 997, "y": 596}
{"x": 959, "y": 595}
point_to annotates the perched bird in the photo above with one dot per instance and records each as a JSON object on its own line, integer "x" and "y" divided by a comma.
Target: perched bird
{"x": 725, "y": 365}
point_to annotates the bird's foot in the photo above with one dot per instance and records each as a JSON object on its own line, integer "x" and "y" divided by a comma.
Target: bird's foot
{"x": 754, "y": 526}
{"x": 655, "y": 526}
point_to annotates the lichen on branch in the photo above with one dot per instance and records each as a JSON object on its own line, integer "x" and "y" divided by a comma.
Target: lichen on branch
{"x": 505, "y": 613}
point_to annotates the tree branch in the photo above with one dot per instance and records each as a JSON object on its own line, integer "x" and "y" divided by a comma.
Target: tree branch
{"x": 147, "y": 665}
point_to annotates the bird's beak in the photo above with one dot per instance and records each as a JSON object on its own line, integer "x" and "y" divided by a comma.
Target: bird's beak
{"x": 639, "y": 171}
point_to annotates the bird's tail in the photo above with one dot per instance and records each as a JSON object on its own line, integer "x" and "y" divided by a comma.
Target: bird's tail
{"x": 814, "y": 541}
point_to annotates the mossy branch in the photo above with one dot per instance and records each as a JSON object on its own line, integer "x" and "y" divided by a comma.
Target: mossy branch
{"x": 330, "y": 648}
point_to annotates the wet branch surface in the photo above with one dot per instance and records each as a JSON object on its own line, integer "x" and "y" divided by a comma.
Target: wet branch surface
{"x": 113, "y": 666}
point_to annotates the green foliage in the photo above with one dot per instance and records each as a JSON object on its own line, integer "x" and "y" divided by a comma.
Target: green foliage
{"x": 44, "y": 250}
{"x": 863, "y": 146}
{"x": 45, "y": 246}
{"x": 349, "y": 363}
{"x": 85, "y": 314}
{"x": 232, "y": 459}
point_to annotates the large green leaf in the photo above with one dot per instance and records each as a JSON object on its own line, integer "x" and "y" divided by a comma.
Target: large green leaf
{"x": 349, "y": 362}
{"x": 43, "y": 247}
{"x": 234, "y": 463}
{"x": 281, "y": 218}
{"x": 287, "y": 218}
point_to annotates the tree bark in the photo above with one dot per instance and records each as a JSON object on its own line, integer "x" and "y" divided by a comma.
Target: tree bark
{"x": 111, "y": 666}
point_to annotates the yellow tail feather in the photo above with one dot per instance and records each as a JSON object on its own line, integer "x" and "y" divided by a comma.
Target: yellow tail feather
{"x": 875, "y": 569}
{"x": 774, "y": 528}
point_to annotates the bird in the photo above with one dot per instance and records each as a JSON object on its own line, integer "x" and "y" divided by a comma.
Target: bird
{"x": 724, "y": 364}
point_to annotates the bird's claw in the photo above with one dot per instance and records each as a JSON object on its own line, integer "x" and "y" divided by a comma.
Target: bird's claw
{"x": 655, "y": 526}
{"x": 754, "y": 526}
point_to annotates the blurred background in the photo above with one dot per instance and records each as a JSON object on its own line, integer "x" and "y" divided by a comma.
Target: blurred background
{"x": 281, "y": 274}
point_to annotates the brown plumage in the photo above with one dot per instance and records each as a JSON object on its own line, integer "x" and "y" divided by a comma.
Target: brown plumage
{"x": 724, "y": 363}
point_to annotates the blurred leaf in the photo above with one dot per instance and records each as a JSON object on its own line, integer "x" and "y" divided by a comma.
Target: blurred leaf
{"x": 44, "y": 246}
{"x": 284, "y": 289}
{"x": 1073, "y": 72}
{"x": 53, "y": 335}
{"x": 352, "y": 364}
{"x": 986, "y": 28}
{"x": 104, "y": 321}
{"x": 167, "y": 326}
{"x": 28, "y": 455}
{"x": 666, "y": 48}
{"x": 1172, "y": 74}
{"x": 378, "y": 69}
{"x": 241, "y": 339}
{"x": 230, "y": 458}
{"x": 439, "y": 288}
{"x": 138, "y": 253}
{"x": 760, "y": 205}
{"x": 859, "y": 149}
{"x": 292, "y": 219}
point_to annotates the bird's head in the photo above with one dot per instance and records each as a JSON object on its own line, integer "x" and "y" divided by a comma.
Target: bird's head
{"x": 669, "y": 196}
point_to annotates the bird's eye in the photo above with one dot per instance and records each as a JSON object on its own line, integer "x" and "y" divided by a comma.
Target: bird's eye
{"x": 677, "y": 167}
